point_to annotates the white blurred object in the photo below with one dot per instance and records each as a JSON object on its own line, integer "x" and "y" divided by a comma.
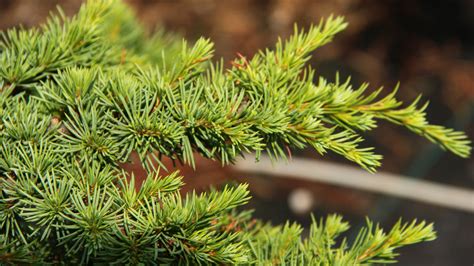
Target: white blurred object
{"x": 300, "y": 201}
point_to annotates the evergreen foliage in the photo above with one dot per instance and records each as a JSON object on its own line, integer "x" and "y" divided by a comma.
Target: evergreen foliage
{"x": 79, "y": 95}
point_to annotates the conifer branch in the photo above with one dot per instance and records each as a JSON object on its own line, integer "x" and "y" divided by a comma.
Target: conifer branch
{"x": 78, "y": 95}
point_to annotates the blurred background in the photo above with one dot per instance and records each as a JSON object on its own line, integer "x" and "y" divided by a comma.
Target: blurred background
{"x": 426, "y": 45}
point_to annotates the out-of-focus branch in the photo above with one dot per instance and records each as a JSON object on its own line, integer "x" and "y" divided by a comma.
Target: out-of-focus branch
{"x": 380, "y": 182}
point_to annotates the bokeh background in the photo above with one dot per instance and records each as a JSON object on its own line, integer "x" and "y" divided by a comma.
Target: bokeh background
{"x": 427, "y": 45}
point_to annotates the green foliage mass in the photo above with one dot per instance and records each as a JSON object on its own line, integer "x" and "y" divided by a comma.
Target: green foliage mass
{"x": 78, "y": 95}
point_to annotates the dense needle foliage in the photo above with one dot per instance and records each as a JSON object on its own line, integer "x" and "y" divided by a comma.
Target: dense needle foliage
{"x": 78, "y": 95}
